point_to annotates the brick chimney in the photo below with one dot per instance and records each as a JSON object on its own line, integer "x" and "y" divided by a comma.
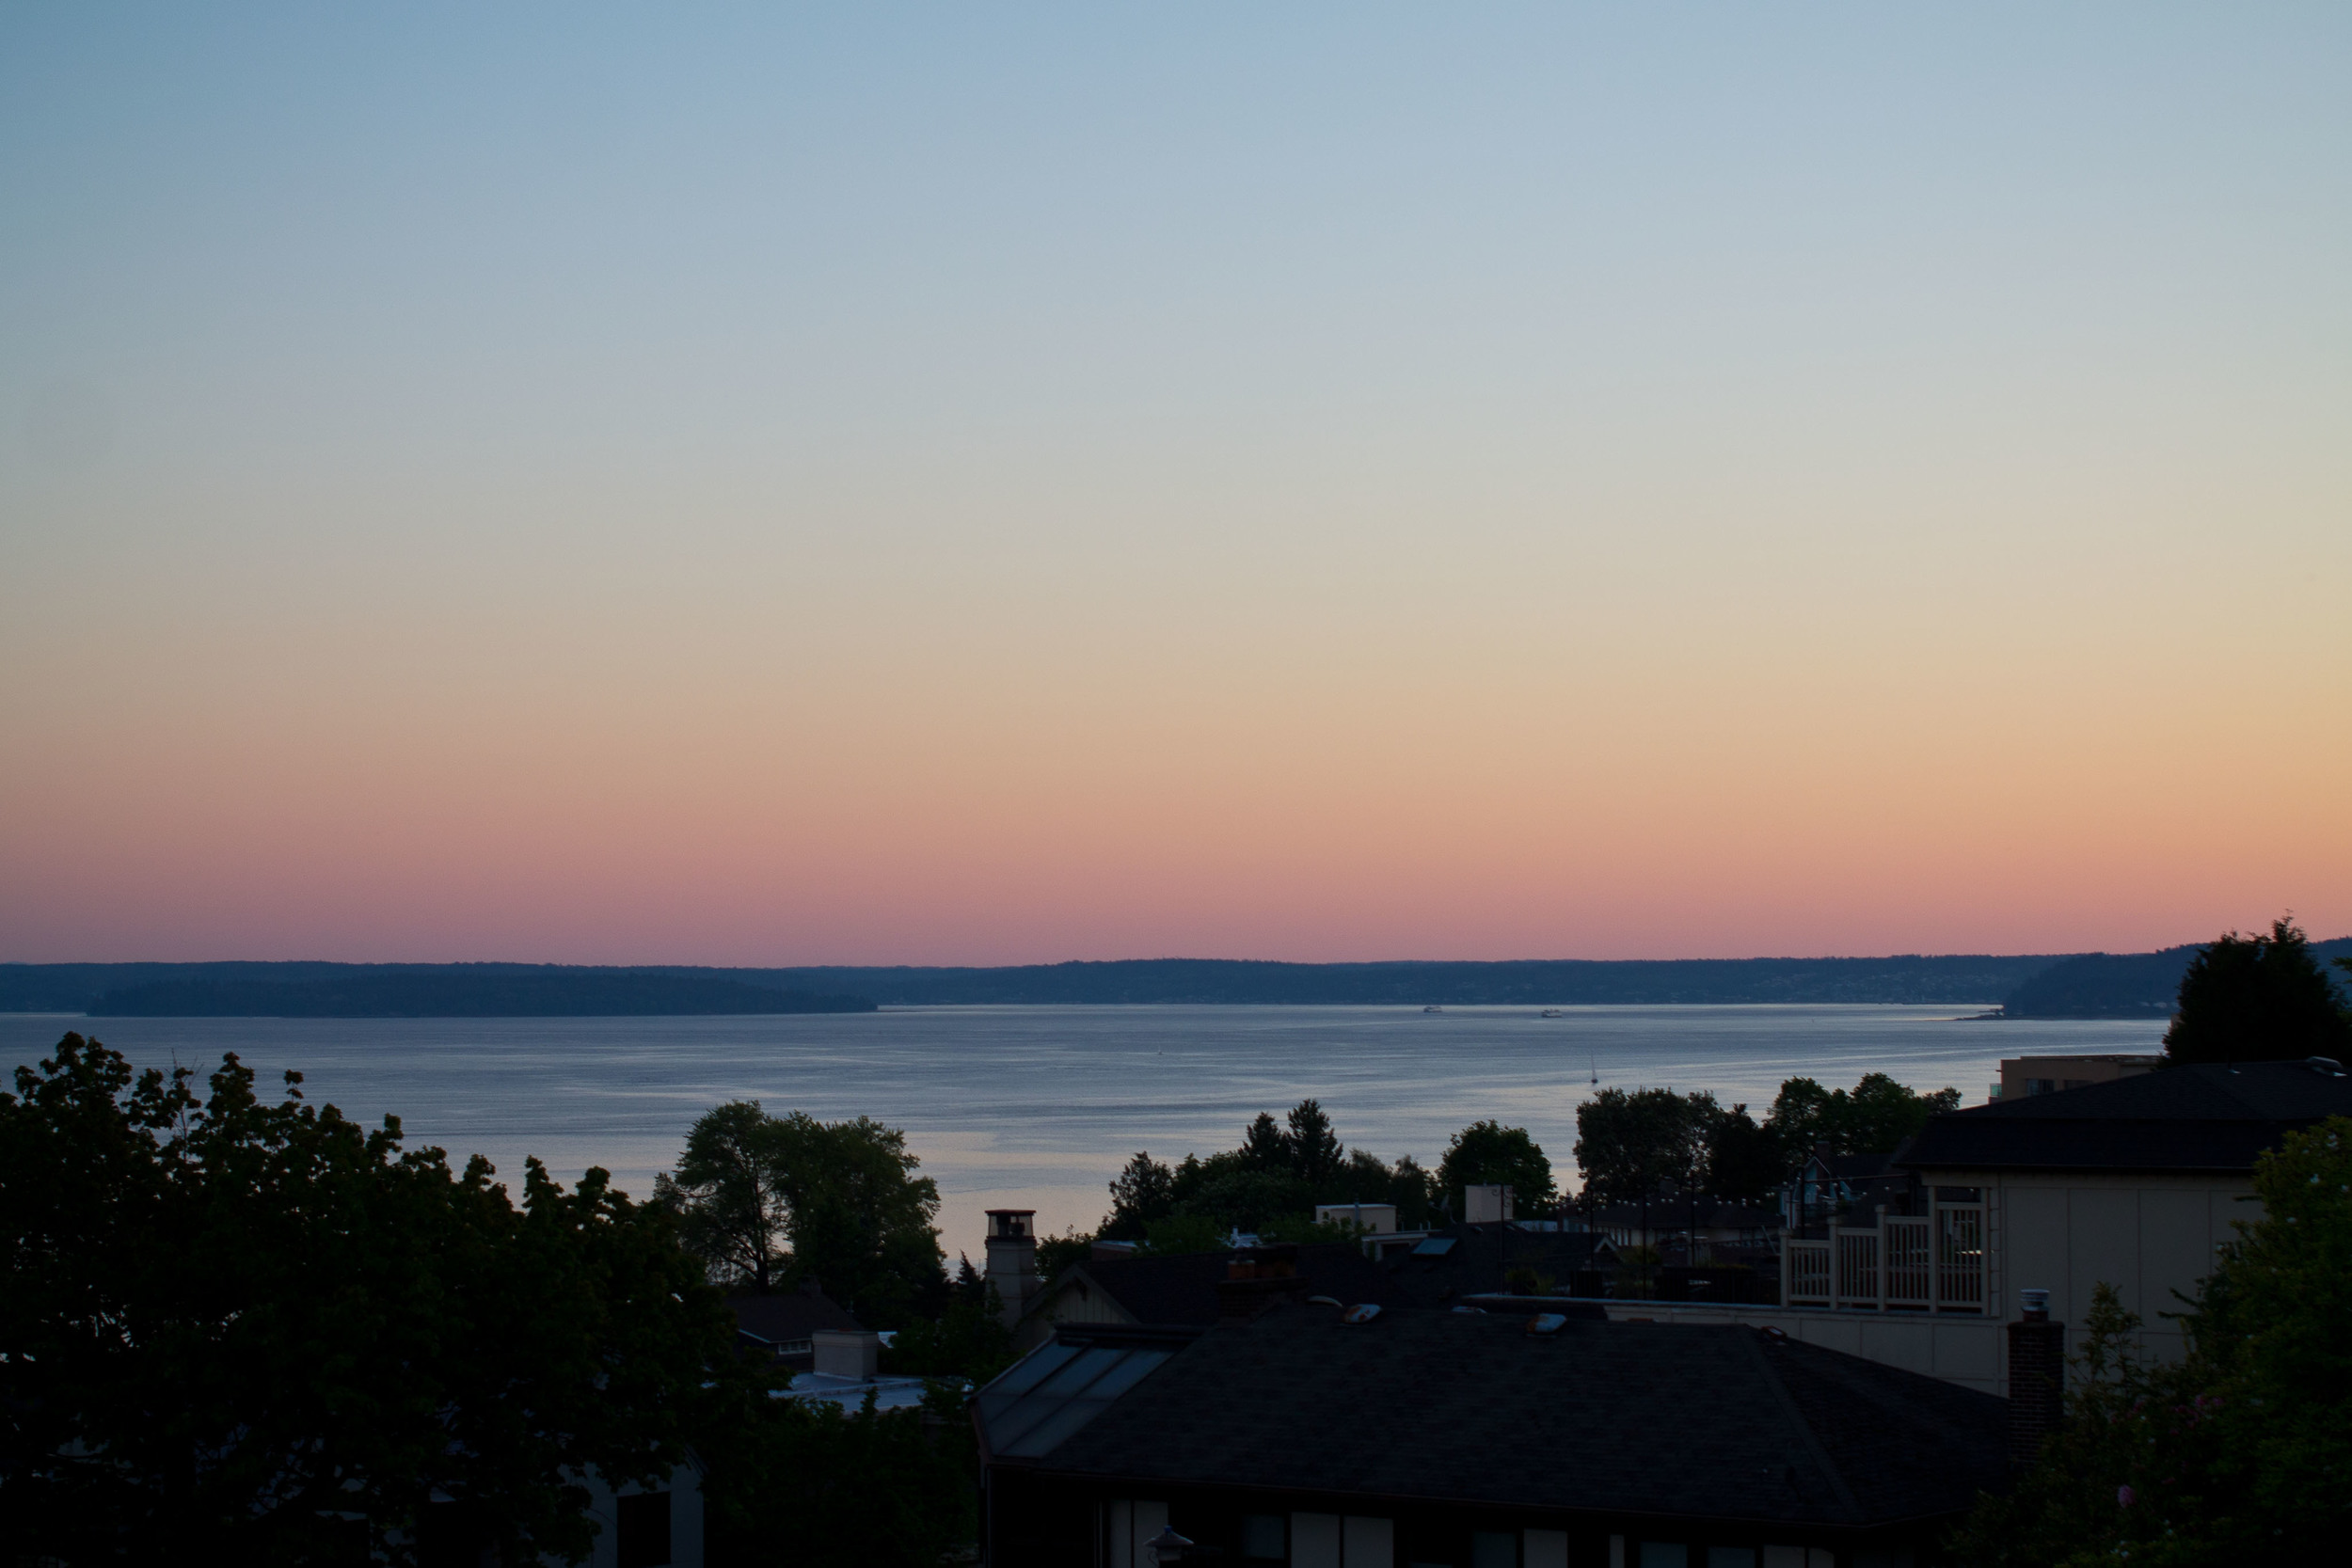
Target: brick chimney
{"x": 1012, "y": 1260}
{"x": 2037, "y": 1377}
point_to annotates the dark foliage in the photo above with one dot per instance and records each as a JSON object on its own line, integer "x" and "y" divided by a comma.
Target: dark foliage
{"x": 2257, "y": 999}
{"x": 1487, "y": 1153}
{"x": 811, "y": 1486}
{"x": 834, "y": 1202}
{"x": 1632, "y": 1144}
{"x": 1745, "y": 1163}
{"x": 1873, "y": 1119}
{"x": 228, "y": 1323}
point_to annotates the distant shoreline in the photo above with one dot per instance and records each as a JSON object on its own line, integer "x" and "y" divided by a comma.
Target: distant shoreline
{"x": 2027, "y": 986}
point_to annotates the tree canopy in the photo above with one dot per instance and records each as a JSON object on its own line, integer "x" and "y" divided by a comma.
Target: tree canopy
{"x": 1267, "y": 1186}
{"x": 1485, "y": 1153}
{"x": 2257, "y": 998}
{"x": 1874, "y": 1118}
{"x": 252, "y": 1331}
{"x": 772, "y": 1201}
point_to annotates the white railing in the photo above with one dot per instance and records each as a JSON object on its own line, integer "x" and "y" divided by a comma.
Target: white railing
{"x": 1904, "y": 1263}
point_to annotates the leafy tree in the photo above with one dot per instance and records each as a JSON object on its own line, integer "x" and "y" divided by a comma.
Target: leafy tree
{"x": 813, "y": 1485}
{"x": 1874, "y": 1118}
{"x": 844, "y": 1195}
{"x": 1185, "y": 1233}
{"x": 1057, "y": 1253}
{"x": 731, "y": 1212}
{"x": 2237, "y": 1453}
{"x": 243, "y": 1331}
{"x": 1487, "y": 1153}
{"x": 968, "y": 1341}
{"x": 1142, "y": 1191}
{"x": 861, "y": 1218}
{"x": 2257, "y": 999}
{"x": 1744, "y": 1163}
{"x": 1630, "y": 1145}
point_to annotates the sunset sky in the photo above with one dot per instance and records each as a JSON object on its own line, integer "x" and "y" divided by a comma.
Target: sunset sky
{"x": 951, "y": 483}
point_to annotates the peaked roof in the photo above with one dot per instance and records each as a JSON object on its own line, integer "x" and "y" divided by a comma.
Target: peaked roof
{"x": 1716, "y": 1422}
{"x": 2205, "y": 1118}
{"x": 790, "y": 1317}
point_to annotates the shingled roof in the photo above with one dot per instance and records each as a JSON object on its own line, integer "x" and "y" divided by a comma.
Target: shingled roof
{"x": 2206, "y": 1117}
{"x": 1722, "y": 1422}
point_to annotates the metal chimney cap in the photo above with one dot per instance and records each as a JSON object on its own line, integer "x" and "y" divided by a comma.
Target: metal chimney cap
{"x": 2037, "y": 1304}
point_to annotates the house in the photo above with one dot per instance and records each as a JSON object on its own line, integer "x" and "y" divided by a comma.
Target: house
{"x": 1322, "y": 1437}
{"x": 1185, "y": 1287}
{"x": 2135, "y": 1183}
{"x": 783, "y": 1325}
{"x": 2029, "y": 1075}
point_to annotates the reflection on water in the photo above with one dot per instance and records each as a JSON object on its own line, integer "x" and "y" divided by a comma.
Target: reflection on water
{"x": 1037, "y": 1107}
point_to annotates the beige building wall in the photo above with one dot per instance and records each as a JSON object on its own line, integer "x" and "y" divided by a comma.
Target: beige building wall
{"x": 2149, "y": 1236}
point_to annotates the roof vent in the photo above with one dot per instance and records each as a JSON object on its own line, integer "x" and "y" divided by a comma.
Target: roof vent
{"x": 1362, "y": 1312}
{"x": 2327, "y": 1064}
{"x": 1545, "y": 1322}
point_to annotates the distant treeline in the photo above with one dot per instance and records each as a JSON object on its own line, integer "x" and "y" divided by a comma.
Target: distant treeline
{"x": 421, "y": 990}
{"x": 2097, "y": 985}
{"x": 2120, "y": 985}
{"x": 580, "y": 994}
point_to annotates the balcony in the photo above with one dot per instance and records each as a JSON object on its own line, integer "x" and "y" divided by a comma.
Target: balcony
{"x": 1932, "y": 1263}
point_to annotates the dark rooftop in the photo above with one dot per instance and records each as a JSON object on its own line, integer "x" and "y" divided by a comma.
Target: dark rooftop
{"x": 1181, "y": 1288}
{"x": 1718, "y": 1421}
{"x": 790, "y": 1317}
{"x": 1481, "y": 1257}
{"x": 2206, "y": 1117}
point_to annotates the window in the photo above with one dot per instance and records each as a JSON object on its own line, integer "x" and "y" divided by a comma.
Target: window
{"x": 1546, "y": 1548}
{"x": 1261, "y": 1537}
{"x": 1664, "y": 1553}
{"x": 645, "y": 1532}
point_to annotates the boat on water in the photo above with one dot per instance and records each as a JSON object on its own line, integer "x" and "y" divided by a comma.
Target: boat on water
{"x": 1553, "y": 1012}
{"x": 1433, "y": 1008}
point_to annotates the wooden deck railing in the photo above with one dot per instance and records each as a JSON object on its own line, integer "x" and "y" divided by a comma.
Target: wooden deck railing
{"x": 1904, "y": 1264}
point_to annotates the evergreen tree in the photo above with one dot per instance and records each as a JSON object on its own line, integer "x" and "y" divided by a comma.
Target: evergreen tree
{"x": 2257, "y": 999}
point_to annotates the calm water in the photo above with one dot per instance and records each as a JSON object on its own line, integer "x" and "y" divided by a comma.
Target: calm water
{"x": 1037, "y": 1107}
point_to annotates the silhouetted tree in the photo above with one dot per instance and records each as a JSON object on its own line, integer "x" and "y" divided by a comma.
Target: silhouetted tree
{"x": 1143, "y": 1191}
{"x": 2257, "y": 999}
{"x": 731, "y": 1212}
{"x": 1314, "y": 1148}
{"x": 1486, "y": 1152}
{"x": 1264, "y": 1147}
{"x": 1632, "y": 1145}
{"x": 1874, "y": 1118}
{"x": 1744, "y": 1163}
{"x": 237, "y": 1331}
{"x": 844, "y": 1195}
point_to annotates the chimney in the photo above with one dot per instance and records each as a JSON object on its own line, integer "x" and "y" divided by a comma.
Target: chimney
{"x": 1487, "y": 1205}
{"x": 847, "y": 1353}
{"x": 1012, "y": 1260}
{"x": 2037, "y": 1377}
